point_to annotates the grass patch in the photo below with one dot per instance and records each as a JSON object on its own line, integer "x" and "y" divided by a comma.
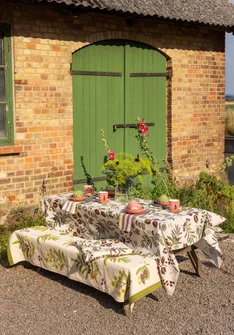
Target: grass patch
{"x": 18, "y": 218}
{"x": 229, "y": 106}
{"x": 229, "y": 120}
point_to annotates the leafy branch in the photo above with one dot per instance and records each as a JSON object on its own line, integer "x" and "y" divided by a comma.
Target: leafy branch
{"x": 159, "y": 178}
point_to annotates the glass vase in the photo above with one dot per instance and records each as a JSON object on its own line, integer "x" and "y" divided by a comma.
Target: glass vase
{"x": 123, "y": 194}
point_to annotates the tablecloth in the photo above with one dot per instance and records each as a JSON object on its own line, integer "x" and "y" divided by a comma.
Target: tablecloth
{"x": 154, "y": 234}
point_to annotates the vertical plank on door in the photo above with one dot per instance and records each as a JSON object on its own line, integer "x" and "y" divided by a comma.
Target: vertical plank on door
{"x": 97, "y": 104}
{"x": 145, "y": 97}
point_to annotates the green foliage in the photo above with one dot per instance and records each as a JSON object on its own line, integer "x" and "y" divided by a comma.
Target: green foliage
{"x": 210, "y": 192}
{"x": 159, "y": 176}
{"x": 124, "y": 167}
{"x": 163, "y": 183}
{"x": 227, "y": 162}
{"x": 213, "y": 194}
{"x": 229, "y": 120}
{"x": 143, "y": 192}
{"x": 144, "y": 146}
{"x": 19, "y": 218}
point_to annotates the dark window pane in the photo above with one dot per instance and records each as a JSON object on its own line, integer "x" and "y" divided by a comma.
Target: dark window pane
{"x": 2, "y": 85}
{"x": 2, "y": 122}
{"x": 1, "y": 48}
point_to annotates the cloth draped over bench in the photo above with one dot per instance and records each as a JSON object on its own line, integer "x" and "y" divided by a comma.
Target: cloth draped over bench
{"x": 116, "y": 271}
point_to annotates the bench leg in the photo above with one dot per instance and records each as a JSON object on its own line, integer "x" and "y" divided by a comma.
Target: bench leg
{"x": 126, "y": 308}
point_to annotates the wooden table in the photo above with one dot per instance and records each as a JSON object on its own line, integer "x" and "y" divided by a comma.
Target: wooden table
{"x": 157, "y": 233}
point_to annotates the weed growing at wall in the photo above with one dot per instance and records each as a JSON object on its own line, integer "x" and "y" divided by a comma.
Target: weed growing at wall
{"x": 18, "y": 218}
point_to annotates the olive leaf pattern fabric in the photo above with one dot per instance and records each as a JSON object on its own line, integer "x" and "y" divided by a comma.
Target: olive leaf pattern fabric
{"x": 93, "y": 249}
{"x": 155, "y": 233}
{"x": 126, "y": 277}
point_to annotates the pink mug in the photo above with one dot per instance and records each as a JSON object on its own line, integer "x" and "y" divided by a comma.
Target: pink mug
{"x": 103, "y": 196}
{"x": 88, "y": 190}
{"x": 174, "y": 205}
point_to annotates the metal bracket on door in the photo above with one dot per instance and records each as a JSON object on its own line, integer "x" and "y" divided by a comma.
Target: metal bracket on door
{"x": 92, "y": 180}
{"x": 151, "y": 74}
{"x": 130, "y": 125}
{"x": 96, "y": 73}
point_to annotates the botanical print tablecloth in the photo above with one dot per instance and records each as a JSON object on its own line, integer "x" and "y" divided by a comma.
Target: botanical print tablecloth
{"x": 123, "y": 276}
{"x": 155, "y": 234}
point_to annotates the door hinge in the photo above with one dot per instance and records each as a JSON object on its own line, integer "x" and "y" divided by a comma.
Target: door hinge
{"x": 151, "y": 74}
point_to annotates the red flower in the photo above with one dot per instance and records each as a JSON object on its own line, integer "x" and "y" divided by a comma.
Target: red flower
{"x": 111, "y": 155}
{"x": 143, "y": 127}
{"x": 141, "y": 122}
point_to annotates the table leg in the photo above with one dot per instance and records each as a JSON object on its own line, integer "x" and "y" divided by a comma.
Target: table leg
{"x": 195, "y": 261}
{"x": 193, "y": 258}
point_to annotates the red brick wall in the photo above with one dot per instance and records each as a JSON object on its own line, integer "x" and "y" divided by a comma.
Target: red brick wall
{"x": 43, "y": 42}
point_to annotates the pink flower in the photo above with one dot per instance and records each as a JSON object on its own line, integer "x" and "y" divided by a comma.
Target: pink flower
{"x": 141, "y": 122}
{"x": 143, "y": 127}
{"x": 111, "y": 155}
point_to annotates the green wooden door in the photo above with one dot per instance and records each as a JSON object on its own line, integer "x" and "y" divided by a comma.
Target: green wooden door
{"x": 145, "y": 96}
{"x": 114, "y": 82}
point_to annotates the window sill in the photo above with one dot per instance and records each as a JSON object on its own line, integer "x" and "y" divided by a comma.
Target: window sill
{"x": 11, "y": 151}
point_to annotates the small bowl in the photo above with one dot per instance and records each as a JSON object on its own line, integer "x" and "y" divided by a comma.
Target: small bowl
{"x": 77, "y": 199}
{"x": 134, "y": 211}
{"x": 162, "y": 203}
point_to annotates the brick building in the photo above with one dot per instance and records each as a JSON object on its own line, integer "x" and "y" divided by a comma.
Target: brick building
{"x": 65, "y": 72}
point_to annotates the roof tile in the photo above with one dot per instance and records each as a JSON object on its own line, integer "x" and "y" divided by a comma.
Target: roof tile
{"x": 211, "y": 12}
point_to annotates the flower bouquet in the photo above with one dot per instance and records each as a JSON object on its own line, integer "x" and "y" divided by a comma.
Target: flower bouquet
{"x": 123, "y": 170}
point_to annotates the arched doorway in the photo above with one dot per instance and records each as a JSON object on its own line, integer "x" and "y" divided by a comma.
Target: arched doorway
{"x": 114, "y": 82}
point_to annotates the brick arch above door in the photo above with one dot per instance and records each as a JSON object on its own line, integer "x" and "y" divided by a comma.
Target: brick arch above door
{"x": 122, "y": 35}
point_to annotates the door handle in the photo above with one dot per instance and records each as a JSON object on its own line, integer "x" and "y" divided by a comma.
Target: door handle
{"x": 130, "y": 125}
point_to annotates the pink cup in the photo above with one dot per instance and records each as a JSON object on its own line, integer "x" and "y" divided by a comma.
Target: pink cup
{"x": 88, "y": 190}
{"x": 103, "y": 196}
{"x": 174, "y": 205}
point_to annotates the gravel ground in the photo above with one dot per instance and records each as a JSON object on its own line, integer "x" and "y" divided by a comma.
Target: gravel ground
{"x": 34, "y": 301}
